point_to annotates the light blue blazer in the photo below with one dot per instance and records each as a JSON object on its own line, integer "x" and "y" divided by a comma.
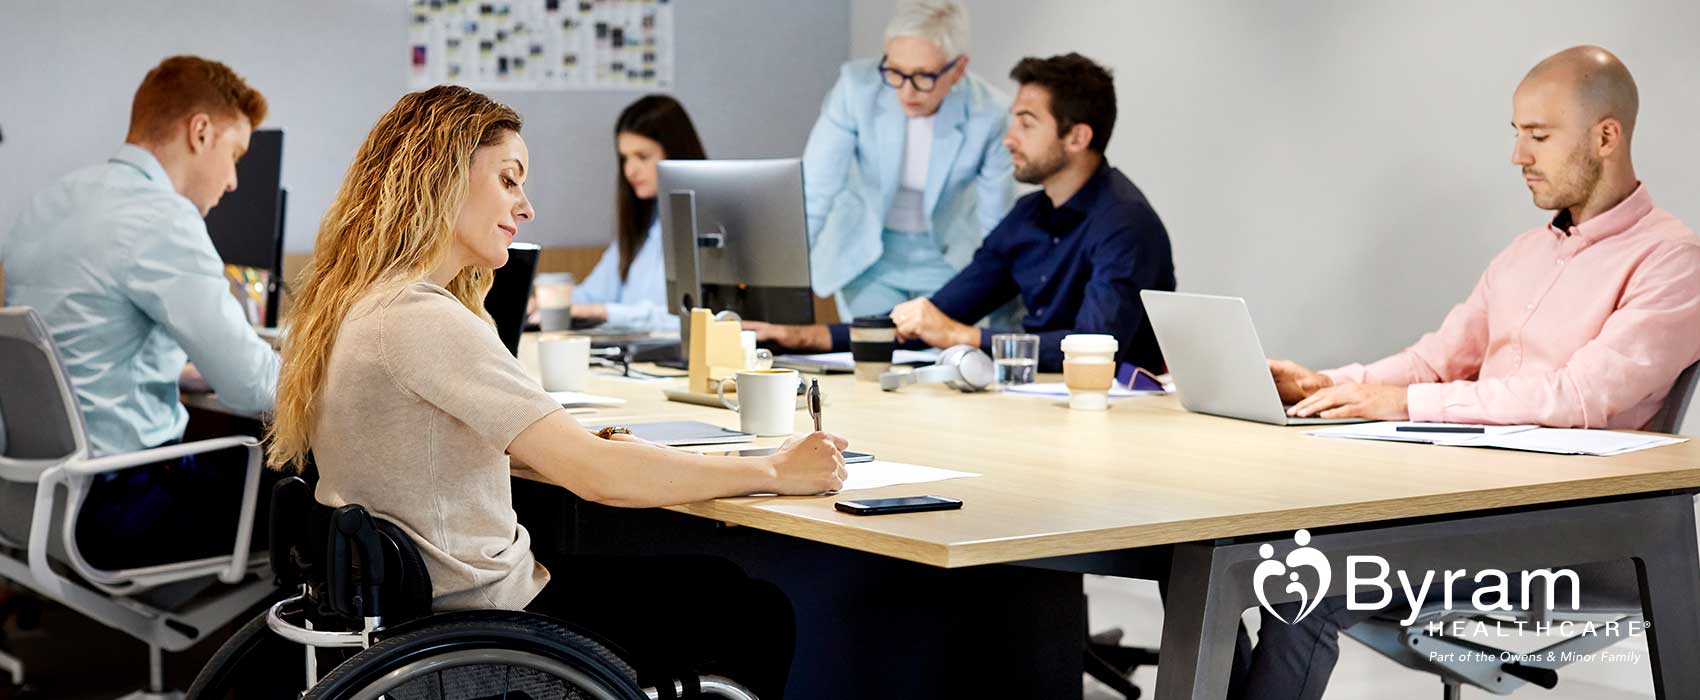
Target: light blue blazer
{"x": 854, "y": 159}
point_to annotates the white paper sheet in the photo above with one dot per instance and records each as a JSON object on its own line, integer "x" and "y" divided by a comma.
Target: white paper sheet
{"x": 880, "y": 473}
{"x": 1570, "y": 441}
{"x": 1526, "y": 438}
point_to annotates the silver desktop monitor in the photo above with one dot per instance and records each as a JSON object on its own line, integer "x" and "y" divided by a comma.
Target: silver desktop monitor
{"x": 735, "y": 239}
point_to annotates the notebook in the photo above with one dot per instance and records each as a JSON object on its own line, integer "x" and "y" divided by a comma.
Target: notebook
{"x": 683, "y": 432}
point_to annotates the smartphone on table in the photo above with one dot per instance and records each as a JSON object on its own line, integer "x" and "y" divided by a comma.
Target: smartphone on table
{"x": 905, "y": 504}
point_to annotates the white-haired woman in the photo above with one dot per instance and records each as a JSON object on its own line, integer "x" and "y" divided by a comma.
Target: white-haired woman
{"x": 905, "y": 171}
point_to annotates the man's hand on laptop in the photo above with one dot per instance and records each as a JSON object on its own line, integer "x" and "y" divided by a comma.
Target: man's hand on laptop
{"x": 919, "y": 319}
{"x": 1372, "y": 401}
{"x": 804, "y": 338}
{"x": 1295, "y": 381}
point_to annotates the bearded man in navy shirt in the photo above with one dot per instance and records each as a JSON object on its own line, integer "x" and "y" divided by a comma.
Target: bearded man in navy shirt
{"x": 1076, "y": 253}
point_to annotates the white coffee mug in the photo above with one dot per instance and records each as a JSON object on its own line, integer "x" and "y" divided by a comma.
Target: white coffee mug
{"x": 564, "y": 363}
{"x": 767, "y": 398}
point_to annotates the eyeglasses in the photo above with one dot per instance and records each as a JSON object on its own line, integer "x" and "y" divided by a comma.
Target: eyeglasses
{"x": 923, "y": 82}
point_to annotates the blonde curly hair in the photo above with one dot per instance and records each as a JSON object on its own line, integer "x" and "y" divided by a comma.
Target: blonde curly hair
{"x": 392, "y": 223}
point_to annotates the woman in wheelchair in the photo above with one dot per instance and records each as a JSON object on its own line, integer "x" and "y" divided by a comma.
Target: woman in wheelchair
{"x": 395, "y": 380}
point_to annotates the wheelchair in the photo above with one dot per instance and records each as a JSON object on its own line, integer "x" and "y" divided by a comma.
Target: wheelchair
{"x": 362, "y": 614}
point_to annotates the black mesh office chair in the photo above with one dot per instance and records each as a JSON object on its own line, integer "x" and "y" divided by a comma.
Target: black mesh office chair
{"x": 364, "y": 610}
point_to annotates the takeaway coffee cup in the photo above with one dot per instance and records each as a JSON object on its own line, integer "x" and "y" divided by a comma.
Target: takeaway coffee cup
{"x": 1089, "y": 369}
{"x": 873, "y": 341}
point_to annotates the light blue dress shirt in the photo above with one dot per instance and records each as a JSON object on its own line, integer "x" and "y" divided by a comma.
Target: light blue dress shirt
{"x": 639, "y": 302}
{"x": 853, "y": 162}
{"x": 122, "y": 271}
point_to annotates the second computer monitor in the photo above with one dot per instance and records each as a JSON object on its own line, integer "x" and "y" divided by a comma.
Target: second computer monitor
{"x": 734, "y": 238}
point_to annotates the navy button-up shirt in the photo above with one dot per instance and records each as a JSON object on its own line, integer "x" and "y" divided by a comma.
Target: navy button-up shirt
{"x": 1078, "y": 268}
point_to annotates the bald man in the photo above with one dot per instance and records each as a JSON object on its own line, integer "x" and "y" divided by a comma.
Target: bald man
{"x": 1584, "y": 322}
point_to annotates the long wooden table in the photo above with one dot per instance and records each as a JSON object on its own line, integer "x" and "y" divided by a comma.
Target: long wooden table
{"x": 1072, "y": 490}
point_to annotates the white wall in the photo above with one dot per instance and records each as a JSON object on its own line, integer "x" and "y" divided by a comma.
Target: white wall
{"x": 1343, "y": 165}
{"x": 330, "y": 67}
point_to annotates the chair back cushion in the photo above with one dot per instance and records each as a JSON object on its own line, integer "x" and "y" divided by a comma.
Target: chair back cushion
{"x": 41, "y": 419}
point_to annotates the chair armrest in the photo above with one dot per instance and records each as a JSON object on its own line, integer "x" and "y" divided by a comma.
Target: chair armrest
{"x": 112, "y": 463}
{"x": 231, "y": 574}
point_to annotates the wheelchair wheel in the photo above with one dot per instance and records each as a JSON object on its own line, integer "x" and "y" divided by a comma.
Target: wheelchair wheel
{"x": 253, "y": 664}
{"x": 482, "y": 655}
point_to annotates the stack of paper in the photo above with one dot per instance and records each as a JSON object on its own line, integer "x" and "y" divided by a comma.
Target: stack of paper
{"x": 1527, "y": 438}
{"x": 1060, "y": 389}
{"x": 1390, "y": 430}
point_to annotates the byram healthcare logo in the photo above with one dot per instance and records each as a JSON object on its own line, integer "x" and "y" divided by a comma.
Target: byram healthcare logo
{"x": 1304, "y": 556}
{"x": 1490, "y": 590}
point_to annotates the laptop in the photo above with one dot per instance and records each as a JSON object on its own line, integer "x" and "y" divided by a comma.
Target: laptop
{"x": 510, "y": 292}
{"x": 1216, "y": 359}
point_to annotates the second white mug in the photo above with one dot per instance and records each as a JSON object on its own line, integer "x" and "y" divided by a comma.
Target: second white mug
{"x": 564, "y": 363}
{"x": 767, "y": 400}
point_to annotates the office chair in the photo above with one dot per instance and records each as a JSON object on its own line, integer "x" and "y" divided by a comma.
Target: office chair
{"x": 1610, "y": 592}
{"x": 46, "y": 470}
{"x": 1676, "y": 416}
{"x": 1113, "y": 664}
{"x": 363, "y": 609}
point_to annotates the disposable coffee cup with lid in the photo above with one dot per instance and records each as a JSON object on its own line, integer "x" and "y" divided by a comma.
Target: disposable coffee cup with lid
{"x": 1089, "y": 370}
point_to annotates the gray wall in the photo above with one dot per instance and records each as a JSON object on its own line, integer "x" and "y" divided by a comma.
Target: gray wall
{"x": 751, "y": 72}
{"x": 1343, "y": 165}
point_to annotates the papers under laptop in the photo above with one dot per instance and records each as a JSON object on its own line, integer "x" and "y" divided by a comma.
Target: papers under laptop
{"x": 1526, "y": 438}
{"x": 1390, "y": 431}
{"x": 1216, "y": 359}
{"x": 682, "y": 432}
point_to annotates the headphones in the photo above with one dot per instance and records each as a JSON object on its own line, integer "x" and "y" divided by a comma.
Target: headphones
{"x": 963, "y": 368}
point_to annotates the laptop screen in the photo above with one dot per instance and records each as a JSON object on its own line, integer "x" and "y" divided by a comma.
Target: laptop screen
{"x": 510, "y": 293}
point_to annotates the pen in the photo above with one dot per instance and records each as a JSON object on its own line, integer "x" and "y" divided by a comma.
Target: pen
{"x": 1439, "y": 429}
{"x": 814, "y": 402}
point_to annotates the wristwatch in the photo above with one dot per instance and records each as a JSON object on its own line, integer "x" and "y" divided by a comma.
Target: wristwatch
{"x": 609, "y": 432}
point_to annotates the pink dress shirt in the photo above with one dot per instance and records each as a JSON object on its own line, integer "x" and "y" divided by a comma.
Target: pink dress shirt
{"x": 1584, "y": 327}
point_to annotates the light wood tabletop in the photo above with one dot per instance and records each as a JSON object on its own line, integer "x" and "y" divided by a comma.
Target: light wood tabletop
{"x": 1147, "y": 472}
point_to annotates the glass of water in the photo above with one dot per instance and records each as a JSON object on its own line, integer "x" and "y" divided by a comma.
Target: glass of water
{"x": 1016, "y": 357}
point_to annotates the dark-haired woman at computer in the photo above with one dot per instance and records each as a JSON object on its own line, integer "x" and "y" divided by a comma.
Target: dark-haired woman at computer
{"x": 628, "y": 288}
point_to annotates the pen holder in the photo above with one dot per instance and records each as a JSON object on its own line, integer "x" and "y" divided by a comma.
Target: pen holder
{"x": 716, "y": 351}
